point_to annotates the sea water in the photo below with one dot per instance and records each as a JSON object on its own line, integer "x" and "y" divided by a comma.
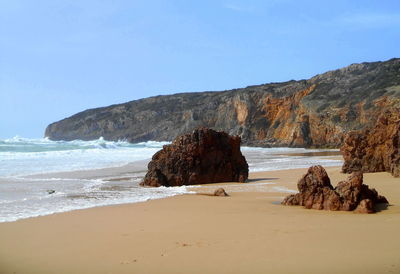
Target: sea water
{"x": 41, "y": 177}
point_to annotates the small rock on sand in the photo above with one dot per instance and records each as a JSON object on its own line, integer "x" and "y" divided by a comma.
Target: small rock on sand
{"x": 220, "y": 192}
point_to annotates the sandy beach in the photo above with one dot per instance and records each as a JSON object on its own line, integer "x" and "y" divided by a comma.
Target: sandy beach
{"x": 248, "y": 232}
{"x": 179, "y": 137}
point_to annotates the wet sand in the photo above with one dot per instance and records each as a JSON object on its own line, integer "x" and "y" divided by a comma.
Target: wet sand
{"x": 248, "y": 232}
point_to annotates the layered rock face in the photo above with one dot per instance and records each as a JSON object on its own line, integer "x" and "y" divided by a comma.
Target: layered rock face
{"x": 307, "y": 113}
{"x": 377, "y": 149}
{"x": 316, "y": 192}
{"x": 201, "y": 157}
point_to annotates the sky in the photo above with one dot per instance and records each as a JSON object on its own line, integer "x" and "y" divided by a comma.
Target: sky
{"x": 60, "y": 57}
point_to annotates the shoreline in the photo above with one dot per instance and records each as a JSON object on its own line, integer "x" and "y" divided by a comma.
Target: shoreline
{"x": 90, "y": 188}
{"x": 117, "y": 172}
{"x": 246, "y": 232}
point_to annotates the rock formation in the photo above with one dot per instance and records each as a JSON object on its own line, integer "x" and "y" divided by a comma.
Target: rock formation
{"x": 306, "y": 113}
{"x": 377, "y": 149}
{"x": 316, "y": 192}
{"x": 201, "y": 157}
{"x": 220, "y": 192}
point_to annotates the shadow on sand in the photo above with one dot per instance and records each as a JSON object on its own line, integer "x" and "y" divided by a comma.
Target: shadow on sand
{"x": 260, "y": 179}
{"x": 381, "y": 207}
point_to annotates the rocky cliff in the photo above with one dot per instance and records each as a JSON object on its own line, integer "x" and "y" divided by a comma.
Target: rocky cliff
{"x": 376, "y": 149}
{"x": 307, "y": 113}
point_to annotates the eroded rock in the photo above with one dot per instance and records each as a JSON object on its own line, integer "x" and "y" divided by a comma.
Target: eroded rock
{"x": 203, "y": 156}
{"x": 317, "y": 192}
{"x": 365, "y": 206}
{"x": 375, "y": 150}
{"x": 220, "y": 192}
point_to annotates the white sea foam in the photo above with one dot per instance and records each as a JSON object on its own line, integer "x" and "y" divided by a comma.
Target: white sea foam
{"x": 23, "y": 196}
{"x": 21, "y": 156}
{"x": 50, "y": 204}
{"x": 267, "y": 159}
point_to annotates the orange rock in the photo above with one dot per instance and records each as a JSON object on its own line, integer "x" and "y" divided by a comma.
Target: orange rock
{"x": 375, "y": 150}
{"x": 316, "y": 192}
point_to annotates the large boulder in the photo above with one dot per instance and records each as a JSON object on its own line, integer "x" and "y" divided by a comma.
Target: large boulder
{"x": 316, "y": 192}
{"x": 374, "y": 150}
{"x": 201, "y": 157}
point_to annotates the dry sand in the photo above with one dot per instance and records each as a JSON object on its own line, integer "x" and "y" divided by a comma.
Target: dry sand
{"x": 247, "y": 232}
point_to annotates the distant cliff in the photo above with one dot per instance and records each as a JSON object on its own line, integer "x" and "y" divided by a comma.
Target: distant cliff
{"x": 307, "y": 113}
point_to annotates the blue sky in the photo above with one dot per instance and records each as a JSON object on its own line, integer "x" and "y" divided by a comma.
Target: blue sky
{"x": 61, "y": 57}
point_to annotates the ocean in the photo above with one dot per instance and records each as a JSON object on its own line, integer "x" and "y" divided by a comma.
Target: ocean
{"x": 41, "y": 177}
